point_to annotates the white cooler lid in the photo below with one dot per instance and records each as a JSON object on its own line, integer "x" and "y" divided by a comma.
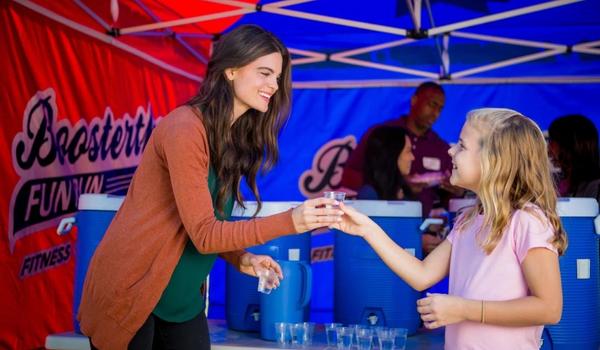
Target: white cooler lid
{"x": 268, "y": 208}
{"x": 580, "y": 207}
{"x": 100, "y": 201}
{"x": 367, "y": 207}
{"x": 375, "y": 208}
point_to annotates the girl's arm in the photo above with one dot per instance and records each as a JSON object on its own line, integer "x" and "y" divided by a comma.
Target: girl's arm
{"x": 543, "y": 306}
{"x": 418, "y": 274}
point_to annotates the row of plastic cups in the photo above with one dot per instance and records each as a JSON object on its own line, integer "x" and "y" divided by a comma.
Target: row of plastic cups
{"x": 363, "y": 336}
{"x": 295, "y": 334}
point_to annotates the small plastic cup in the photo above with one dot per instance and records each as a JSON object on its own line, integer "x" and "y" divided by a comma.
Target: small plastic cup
{"x": 392, "y": 338}
{"x": 401, "y": 334}
{"x": 297, "y": 333}
{"x": 282, "y": 333}
{"x": 309, "y": 330}
{"x": 302, "y": 334}
{"x": 376, "y": 330}
{"x": 337, "y": 195}
{"x": 331, "y": 333}
{"x": 364, "y": 338}
{"x": 344, "y": 337}
{"x": 267, "y": 280}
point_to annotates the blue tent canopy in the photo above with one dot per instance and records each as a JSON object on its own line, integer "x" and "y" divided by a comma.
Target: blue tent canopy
{"x": 561, "y": 28}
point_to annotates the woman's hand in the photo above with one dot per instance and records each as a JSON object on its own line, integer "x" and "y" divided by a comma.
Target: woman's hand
{"x": 252, "y": 264}
{"x": 354, "y": 222}
{"x": 315, "y": 213}
{"x": 438, "y": 310}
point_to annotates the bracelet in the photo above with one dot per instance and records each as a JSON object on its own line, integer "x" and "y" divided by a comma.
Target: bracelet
{"x": 482, "y": 312}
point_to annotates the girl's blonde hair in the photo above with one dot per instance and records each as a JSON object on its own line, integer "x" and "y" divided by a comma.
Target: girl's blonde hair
{"x": 515, "y": 171}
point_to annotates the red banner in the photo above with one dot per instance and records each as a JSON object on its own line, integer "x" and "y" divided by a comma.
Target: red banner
{"x": 76, "y": 114}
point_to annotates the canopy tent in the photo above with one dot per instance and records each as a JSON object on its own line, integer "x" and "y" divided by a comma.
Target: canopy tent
{"x": 359, "y": 44}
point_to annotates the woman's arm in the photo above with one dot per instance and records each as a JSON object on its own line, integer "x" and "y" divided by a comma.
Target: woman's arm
{"x": 418, "y": 274}
{"x": 183, "y": 149}
{"x": 543, "y": 306}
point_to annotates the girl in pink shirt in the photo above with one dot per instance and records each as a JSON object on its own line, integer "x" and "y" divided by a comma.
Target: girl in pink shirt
{"x": 502, "y": 255}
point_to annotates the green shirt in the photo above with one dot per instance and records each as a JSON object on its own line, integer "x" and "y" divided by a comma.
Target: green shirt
{"x": 182, "y": 300}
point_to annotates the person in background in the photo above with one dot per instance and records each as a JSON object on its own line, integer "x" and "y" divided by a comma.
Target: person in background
{"x": 142, "y": 288}
{"x": 428, "y": 177}
{"x": 573, "y": 146}
{"x": 388, "y": 160}
{"x": 502, "y": 254}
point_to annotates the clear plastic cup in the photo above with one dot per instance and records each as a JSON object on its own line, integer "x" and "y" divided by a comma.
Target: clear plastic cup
{"x": 282, "y": 333}
{"x": 401, "y": 335}
{"x": 267, "y": 281}
{"x": 356, "y": 328}
{"x": 375, "y": 330}
{"x": 297, "y": 333}
{"x": 337, "y": 195}
{"x": 302, "y": 334}
{"x": 387, "y": 338}
{"x": 331, "y": 333}
{"x": 309, "y": 330}
{"x": 344, "y": 337}
{"x": 364, "y": 338}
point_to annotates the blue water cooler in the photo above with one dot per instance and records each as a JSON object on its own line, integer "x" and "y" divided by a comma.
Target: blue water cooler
{"x": 242, "y": 300}
{"x": 95, "y": 212}
{"x": 579, "y": 327}
{"x": 366, "y": 290}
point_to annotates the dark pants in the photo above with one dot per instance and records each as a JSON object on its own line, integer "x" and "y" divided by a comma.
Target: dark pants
{"x": 159, "y": 334}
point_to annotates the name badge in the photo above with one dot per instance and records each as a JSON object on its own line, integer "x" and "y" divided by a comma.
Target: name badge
{"x": 431, "y": 163}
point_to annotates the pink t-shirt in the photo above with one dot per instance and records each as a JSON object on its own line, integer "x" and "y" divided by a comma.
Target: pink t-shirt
{"x": 498, "y": 276}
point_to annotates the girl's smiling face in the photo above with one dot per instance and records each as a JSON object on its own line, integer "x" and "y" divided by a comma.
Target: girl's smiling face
{"x": 466, "y": 162}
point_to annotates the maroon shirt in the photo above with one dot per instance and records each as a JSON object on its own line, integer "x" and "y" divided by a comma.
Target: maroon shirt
{"x": 431, "y": 155}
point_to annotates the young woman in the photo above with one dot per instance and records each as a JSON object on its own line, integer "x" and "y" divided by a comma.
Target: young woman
{"x": 388, "y": 159}
{"x": 142, "y": 288}
{"x": 573, "y": 145}
{"x": 502, "y": 255}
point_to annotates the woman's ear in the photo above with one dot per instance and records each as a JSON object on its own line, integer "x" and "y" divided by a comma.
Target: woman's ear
{"x": 230, "y": 73}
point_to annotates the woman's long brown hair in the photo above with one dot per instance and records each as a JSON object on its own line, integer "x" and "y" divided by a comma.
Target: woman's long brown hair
{"x": 250, "y": 144}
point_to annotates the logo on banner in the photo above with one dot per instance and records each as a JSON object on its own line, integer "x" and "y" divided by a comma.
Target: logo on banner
{"x": 327, "y": 167}
{"x": 58, "y": 161}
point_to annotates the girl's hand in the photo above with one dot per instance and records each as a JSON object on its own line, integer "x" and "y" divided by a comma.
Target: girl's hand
{"x": 251, "y": 264}
{"x": 354, "y": 222}
{"x": 438, "y": 310}
{"x": 315, "y": 213}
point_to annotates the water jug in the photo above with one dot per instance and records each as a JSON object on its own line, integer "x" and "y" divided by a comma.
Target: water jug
{"x": 242, "y": 301}
{"x": 287, "y": 303}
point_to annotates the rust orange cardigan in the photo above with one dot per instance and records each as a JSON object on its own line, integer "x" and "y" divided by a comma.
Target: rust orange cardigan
{"x": 168, "y": 202}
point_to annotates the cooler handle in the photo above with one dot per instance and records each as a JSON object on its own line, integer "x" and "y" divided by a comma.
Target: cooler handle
{"x": 430, "y": 221}
{"x": 65, "y": 225}
{"x": 307, "y": 290}
{"x": 597, "y": 225}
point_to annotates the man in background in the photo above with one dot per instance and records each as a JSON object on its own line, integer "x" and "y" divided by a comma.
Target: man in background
{"x": 432, "y": 166}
